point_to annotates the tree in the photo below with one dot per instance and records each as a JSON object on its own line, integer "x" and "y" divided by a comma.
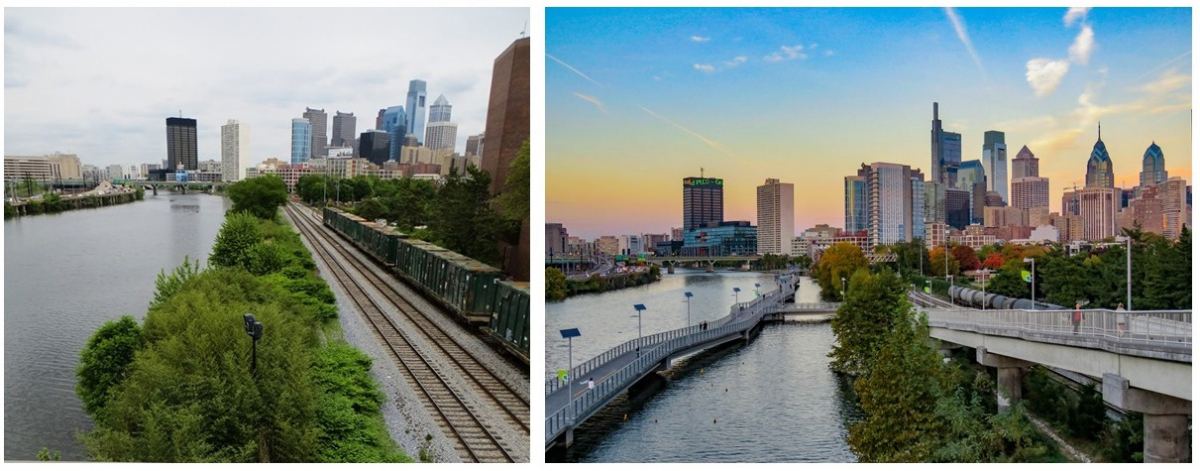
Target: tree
{"x": 875, "y": 303}
{"x": 967, "y": 260}
{"x": 463, "y": 221}
{"x": 104, "y": 361}
{"x": 237, "y": 236}
{"x": 993, "y": 261}
{"x": 556, "y": 284}
{"x": 514, "y": 200}
{"x": 261, "y": 196}
{"x": 839, "y": 261}
{"x": 938, "y": 262}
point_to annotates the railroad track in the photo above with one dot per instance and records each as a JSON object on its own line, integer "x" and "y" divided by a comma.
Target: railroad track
{"x": 474, "y": 440}
{"x": 495, "y": 390}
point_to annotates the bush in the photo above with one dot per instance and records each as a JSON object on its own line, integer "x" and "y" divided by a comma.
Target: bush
{"x": 267, "y": 257}
{"x": 104, "y": 361}
{"x": 261, "y": 196}
{"x": 556, "y": 284}
{"x": 237, "y": 237}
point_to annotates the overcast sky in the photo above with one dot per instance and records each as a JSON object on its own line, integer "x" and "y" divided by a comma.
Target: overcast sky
{"x": 100, "y": 83}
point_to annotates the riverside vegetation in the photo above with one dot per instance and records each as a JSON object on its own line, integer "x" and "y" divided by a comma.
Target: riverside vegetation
{"x": 52, "y": 203}
{"x": 179, "y": 387}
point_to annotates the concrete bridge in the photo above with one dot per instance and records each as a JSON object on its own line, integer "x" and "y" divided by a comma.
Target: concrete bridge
{"x": 804, "y": 312}
{"x": 709, "y": 261}
{"x": 182, "y": 187}
{"x": 103, "y": 195}
{"x": 1143, "y": 359}
{"x": 622, "y": 367}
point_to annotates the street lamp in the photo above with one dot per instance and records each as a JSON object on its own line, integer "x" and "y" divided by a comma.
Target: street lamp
{"x": 757, "y": 290}
{"x": 843, "y": 288}
{"x": 569, "y": 334}
{"x": 1128, "y": 273}
{"x": 688, "y": 299}
{"x": 736, "y": 290}
{"x": 946, "y": 263}
{"x": 1032, "y": 280}
{"x": 254, "y": 330}
{"x": 639, "y": 308}
{"x": 985, "y": 280}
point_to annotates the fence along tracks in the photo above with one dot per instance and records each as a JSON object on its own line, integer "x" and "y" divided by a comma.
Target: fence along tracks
{"x": 475, "y": 441}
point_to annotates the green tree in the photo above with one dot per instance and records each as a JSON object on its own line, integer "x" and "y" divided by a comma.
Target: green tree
{"x": 875, "y": 303}
{"x": 261, "y": 196}
{"x": 237, "y": 237}
{"x": 514, "y": 200}
{"x": 104, "y": 361}
{"x": 463, "y": 221}
{"x": 939, "y": 262}
{"x": 556, "y": 284}
{"x": 839, "y": 261}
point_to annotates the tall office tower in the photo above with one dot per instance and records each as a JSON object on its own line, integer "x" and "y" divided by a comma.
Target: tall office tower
{"x": 1154, "y": 170}
{"x": 958, "y": 208}
{"x": 946, "y": 152}
{"x": 301, "y": 140}
{"x": 776, "y": 217}
{"x": 935, "y": 202}
{"x": 1025, "y": 165}
{"x": 235, "y": 150}
{"x": 1099, "y": 166}
{"x": 415, "y": 104}
{"x": 395, "y": 123}
{"x": 857, "y": 200}
{"x": 918, "y": 209}
{"x": 1176, "y": 211}
{"x": 973, "y": 177}
{"x": 1070, "y": 203}
{"x": 1098, "y": 209}
{"x": 439, "y": 110}
{"x": 181, "y": 144}
{"x": 703, "y": 201}
{"x": 508, "y": 111}
{"x": 1031, "y": 192}
{"x": 344, "y": 129}
{"x": 474, "y": 145}
{"x": 441, "y": 135}
{"x": 890, "y": 203}
{"x": 373, "y": 146}
{"x": 319, "y": 120}
{"x": 995, "y": 163}
{"x": 379, "y": 119}
{"x": 556, "y": 238}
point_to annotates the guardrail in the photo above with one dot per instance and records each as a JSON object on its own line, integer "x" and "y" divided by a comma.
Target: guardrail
{"x": 662, "y": 345}
{"x": 820, "y": 306}
{"x": 1141, "y": 328}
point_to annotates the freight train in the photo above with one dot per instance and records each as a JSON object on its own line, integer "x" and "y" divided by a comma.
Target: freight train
{"x": 474, "y": 292}
{"x": 978, "y": 299}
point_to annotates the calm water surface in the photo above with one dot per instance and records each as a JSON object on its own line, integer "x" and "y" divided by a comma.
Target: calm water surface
{"x": 774, "y": 400}
{"x": 64, "y": 275}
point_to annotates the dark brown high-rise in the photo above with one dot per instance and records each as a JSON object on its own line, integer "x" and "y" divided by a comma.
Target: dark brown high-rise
{"x": 181, "y": 144}
{"x": 508, "y": 111}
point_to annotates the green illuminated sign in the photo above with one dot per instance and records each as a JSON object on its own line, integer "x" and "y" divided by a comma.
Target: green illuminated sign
{"x": 702, "y": 181}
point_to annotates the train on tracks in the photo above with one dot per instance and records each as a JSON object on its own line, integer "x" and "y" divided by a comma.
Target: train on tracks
{"x": 979, "y": 299}
{"x": 473, "y": 291}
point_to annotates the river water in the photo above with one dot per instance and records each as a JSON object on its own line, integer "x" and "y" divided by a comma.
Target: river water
{"x": 774, "y": 400}
{"x": 64, "y": 275}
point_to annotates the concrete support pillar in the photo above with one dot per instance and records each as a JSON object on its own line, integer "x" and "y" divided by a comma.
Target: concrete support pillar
{"x": 710, "y": 268}
{"x": 1164, "y": 420}
{"x": 670, "y": 268}
{"x": 1009, "y": 372}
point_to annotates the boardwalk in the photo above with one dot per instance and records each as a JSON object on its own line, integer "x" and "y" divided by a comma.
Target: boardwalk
{"x": 616, "y": 370}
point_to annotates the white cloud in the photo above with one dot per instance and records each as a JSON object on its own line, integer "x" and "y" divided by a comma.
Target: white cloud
{"x": 1074, "y": 14}
{"x": 700, "y": 39}
{"x": 812, "y": 46}
{"x": 657, "y": 78}
{"x": 787, "y": 53}
{"x": 1044, "y": 75}
{"x": 706, "y": 68}
{"x": 1085, "y": 44}
{"x": 593, "y": 100}
{"x": 828, "y": 52}
{"x": 735, "y": 62}
{"x": 1171, "y": 80}
{"x": 961, "y": 29}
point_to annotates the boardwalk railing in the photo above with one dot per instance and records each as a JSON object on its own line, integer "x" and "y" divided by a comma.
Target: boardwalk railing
{"x": 1141, "y": 328}
{"x": 815, "y": 307}
{"x": 659, "y": 346}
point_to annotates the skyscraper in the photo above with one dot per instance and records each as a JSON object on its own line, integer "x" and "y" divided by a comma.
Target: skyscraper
{"x": 776, "y": 217}
{"x": 1154, "y": 170}
{"x": 1098, "y": 208}
{"x": 181, "y": 144}
{"x": 440, "y": 110}
{"x": 918, "y": 209}
{"x": 703, "y": 201}
{"x": 379, "y": 119}
{"x": 857, "y": 200}
{"x": 890, "y": 205}
{"x": 344, "y": 129}
{"x": 946, "y": 152}
{"x": 958, "y": 208}
{"x": 415, "y": 104}
{"x": 1099, "y": 166}
{"x": 935, "y": 202}
{"x": 1031, "y": 192}
{"x": 235, "y": 150}
{"x": 441, "y": 135}
{"x": 1176, "y": 212}
{"x": 320, "y": 140}
{"x": 395, "y": 123}
{"x": 1025, "y": 165}
{"x": 474, "y": 145}
{"x": 373, "y": 146}
{"x": 301, "y": 140}
{"x": 995, "y": 163}
{"x": 508, "y": 111}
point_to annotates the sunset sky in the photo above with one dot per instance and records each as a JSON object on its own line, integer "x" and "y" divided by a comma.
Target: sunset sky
{"x": 638, "y": 99}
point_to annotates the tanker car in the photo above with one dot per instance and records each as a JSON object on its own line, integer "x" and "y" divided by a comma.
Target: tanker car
{"x": 979, "y": 299}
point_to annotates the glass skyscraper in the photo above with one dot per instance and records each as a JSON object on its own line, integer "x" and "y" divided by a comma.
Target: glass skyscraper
{"x": 995, "y": 163}
{"x": 395, "y": 123}
{"x": 857, "y": 199}
{"x": 703, "y": 201}
{"x": 301, "y": 140}
{"x": 415, "y": 104}
{"x": 1099, "y": 166}
{"x": 1154, "y": 170}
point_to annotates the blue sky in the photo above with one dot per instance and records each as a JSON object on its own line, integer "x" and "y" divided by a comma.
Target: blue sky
{"x": 806, "y": 95}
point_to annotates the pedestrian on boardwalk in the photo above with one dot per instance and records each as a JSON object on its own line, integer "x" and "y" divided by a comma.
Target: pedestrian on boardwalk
{"x": 1120, "y": 320}
{"x": 1077, "y": 317}
{"x": 591, "y": 384}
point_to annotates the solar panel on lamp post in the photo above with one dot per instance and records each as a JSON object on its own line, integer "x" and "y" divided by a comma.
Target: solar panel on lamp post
{"x": 1032, "y": 281}
{"x": 639, "y": 308}
{"x": 688, "y": 298}
{"x": 736, "y": 290}
{"x": 569, "y": 334}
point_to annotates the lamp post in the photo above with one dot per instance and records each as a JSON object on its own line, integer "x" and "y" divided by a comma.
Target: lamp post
{"x": 985, "y": 280}
{"x": 639, "y": 308}
{"x": 1128, "y": 273}
{"x": 946, "y": 263}
{"x": 1032, "y": 280}
{"x": 254, "y": 330}
{"x": 569, "y": 334}
{"x": 843, "y": 289}
{"x": 687, "y": 295}
{"x": 736, "y": 290}
{"x": 757, "y": 290}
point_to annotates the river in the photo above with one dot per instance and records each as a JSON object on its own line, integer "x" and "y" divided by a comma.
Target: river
{"x": 774, "y": 400}
{"x": 64, "y": 275}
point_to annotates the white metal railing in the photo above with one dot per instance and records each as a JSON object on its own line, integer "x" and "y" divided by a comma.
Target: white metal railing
{"x": 658, "y": 347}
{"x": 819, "y": 306}
{"x": 1143, "y": 329}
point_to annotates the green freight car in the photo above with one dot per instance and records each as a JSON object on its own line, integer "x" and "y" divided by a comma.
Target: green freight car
{"x": 509, "y": 321}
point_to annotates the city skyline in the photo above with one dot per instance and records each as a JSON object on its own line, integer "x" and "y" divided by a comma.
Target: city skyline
{"x": 95, "y": 65}
{"x": 807, "y": 95}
